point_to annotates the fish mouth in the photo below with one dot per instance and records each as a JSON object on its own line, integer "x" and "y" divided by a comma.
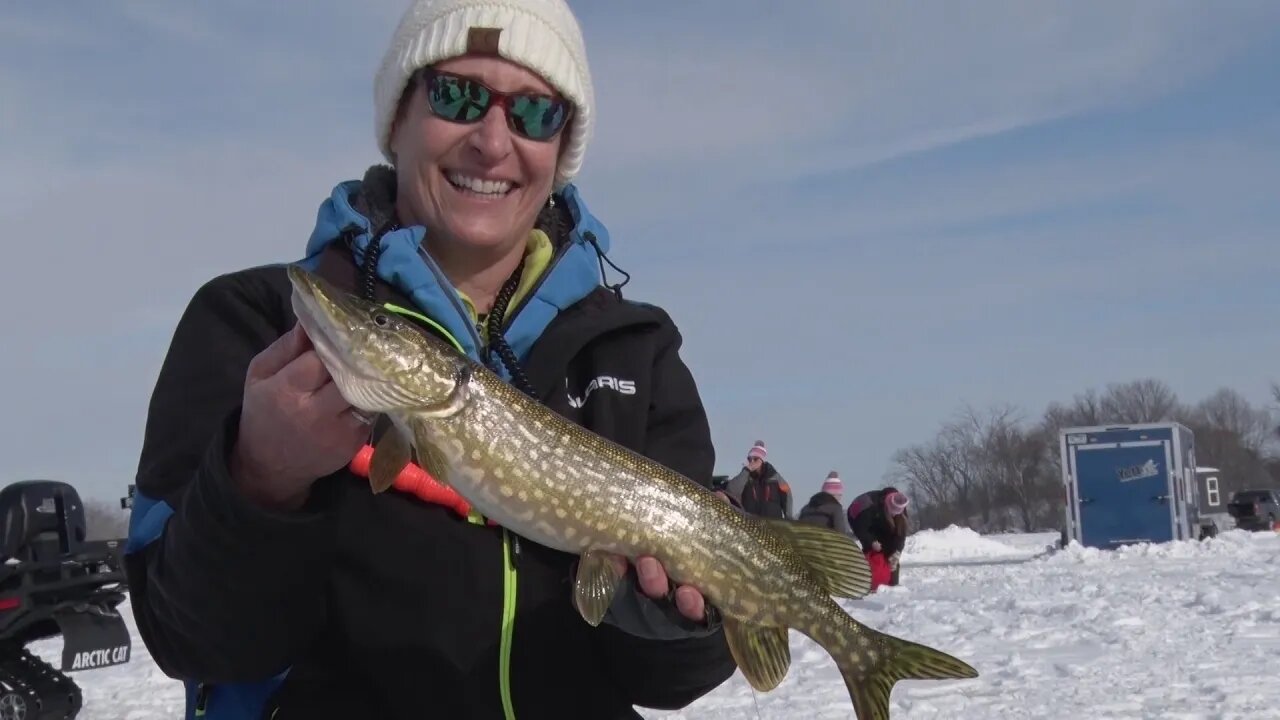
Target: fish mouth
{"x": 312, "y": 300}
{"x": 343, "y": 331}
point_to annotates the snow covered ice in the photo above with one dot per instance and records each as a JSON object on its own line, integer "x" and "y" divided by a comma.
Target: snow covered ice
{"x": 1185, "y": 631}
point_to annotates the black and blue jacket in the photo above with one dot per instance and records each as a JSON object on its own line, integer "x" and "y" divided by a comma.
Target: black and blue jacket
{"x": 384, "y": 606}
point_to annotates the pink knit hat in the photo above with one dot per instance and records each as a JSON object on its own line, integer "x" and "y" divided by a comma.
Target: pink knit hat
{"x": 832, "y": 485}
{"x": 895, "y": 503}
{"x": 757, "y": 451}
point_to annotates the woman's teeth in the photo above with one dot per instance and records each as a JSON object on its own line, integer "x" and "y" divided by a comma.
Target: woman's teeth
{"x": 478, "y": 186}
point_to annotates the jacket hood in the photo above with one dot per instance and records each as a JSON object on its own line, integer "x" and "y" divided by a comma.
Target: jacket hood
{"x": 357, "y": 210}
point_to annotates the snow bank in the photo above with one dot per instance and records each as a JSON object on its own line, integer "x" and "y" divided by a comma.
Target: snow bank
{"x": 957, "y": 543}
{"x": 1226, "y": 545}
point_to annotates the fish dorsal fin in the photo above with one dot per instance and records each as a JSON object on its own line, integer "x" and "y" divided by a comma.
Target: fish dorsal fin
{"x": 834, "y": 558}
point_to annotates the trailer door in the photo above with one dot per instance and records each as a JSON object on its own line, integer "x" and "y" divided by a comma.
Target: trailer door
{"x": 1124, "y": 493}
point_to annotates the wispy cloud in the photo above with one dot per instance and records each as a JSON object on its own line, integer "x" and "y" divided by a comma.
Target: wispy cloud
{"x": 861, "y": 214}
{"x": 843, "y": 84}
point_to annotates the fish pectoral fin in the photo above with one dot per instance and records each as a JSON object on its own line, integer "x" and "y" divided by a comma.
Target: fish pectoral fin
{"x": 763, "y": 653}
{"x": 596, "y": 584}
{"x": 834, "y": 558}
{"x": 431, "y": 459}
{"x": 391, "y": 453}
{"x": 454, "y": 402}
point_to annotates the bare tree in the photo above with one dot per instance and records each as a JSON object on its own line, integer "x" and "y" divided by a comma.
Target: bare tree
{"x": 922, "y": 469}
{"x": 962, "y": 439}
{"x": 1139, "y": 401}
{"x": 984, "y": 469}
{"x": 1016, "y": 457}
{"x": 1228, "y": 410}
{"x": 1232, "y": 435}
{"x": 1085, "y": 409}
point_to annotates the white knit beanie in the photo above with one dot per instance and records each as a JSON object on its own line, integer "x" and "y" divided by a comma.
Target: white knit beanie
{"x": 542, "y": 35}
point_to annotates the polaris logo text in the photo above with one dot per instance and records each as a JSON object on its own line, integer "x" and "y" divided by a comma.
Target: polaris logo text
{"x": 89, "y": 659}
{"x": 624, "y": 387}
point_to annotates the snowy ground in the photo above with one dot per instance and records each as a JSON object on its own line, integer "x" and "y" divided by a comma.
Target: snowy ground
{"x": 1181, "y": 631}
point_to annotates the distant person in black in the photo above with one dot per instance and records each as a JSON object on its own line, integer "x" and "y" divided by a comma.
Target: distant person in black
{"x": 824, "y": 508}
{"x": 879, "y": 520}
{"x": 759, "y": 489}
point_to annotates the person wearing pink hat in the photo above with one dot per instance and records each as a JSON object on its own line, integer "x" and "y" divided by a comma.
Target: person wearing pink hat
{"x": 759, "y": 488}
{"x": 824, "y": 508}
{"x": 878, "y": 519}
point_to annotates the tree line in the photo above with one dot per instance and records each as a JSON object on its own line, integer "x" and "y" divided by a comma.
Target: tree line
{"x": 995, "y": 469}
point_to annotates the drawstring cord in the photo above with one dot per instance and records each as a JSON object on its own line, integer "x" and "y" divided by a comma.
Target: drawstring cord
{"x": 498, "y": 342}
{"x": 602, "y": 259}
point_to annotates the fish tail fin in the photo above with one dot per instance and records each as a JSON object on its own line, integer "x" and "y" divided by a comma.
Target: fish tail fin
{"x": 896, "y": 659}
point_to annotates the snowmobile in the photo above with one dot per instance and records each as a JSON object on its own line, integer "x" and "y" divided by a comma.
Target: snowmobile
{"x": 55, "y": 582}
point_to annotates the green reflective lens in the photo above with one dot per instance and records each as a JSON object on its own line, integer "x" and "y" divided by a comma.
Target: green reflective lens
{"x": 463, "y": 100}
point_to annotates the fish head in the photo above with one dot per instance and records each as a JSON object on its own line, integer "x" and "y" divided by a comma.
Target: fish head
{"x": 380, "y": 361}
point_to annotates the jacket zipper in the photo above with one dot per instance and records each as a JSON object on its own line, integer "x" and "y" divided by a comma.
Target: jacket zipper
{"x": 551, "y": 266}
{"x": 452, "y": 294}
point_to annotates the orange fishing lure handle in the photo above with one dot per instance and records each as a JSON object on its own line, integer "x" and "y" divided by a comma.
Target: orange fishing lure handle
{"x": 416, "y": 481}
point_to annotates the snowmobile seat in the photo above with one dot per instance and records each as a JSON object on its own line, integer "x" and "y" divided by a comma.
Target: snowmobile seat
{"x": 40, "y": 520}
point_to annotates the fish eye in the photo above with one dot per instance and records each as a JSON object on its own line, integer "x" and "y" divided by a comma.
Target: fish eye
{"x": 381, "y": 320}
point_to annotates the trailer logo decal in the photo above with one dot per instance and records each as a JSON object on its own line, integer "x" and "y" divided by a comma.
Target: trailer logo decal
{"x": 1138, "y": 472}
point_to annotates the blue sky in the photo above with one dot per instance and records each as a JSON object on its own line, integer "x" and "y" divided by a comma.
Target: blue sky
{"x": 861, "y": 215}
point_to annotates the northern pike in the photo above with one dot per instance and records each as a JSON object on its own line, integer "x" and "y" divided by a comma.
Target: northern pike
{"x": 553, "y": 482}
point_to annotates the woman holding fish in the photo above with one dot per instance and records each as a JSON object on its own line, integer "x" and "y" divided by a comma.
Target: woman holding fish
{"x": 263, "y": 571}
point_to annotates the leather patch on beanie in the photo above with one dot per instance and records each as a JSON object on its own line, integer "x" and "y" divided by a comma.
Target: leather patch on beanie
{"x": 483, "y": 41}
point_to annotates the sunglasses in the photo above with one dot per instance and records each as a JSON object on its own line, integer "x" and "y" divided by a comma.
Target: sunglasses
{"x": 463, "y": 100}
